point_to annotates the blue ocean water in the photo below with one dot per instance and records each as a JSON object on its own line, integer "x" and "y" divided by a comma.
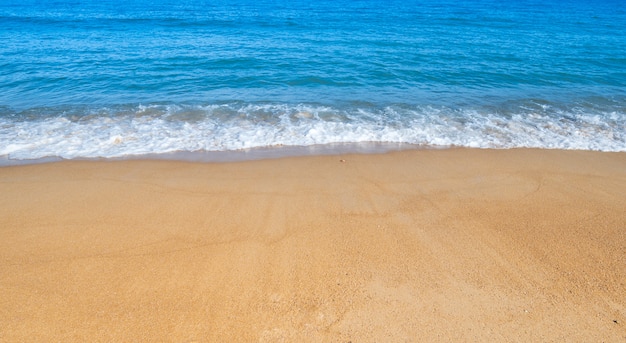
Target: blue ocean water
{"x": 110, "y": 78}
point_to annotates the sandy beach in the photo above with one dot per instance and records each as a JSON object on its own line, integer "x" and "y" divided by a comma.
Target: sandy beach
{"x": 425, "y": 245}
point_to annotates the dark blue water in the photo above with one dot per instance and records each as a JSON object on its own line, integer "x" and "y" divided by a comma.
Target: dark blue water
{"x": 116, "y": 78}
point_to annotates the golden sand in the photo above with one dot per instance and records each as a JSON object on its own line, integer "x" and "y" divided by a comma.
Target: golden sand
{"x": 427, "y": 245}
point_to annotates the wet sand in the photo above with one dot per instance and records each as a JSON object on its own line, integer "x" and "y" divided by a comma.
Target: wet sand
{"x": 425, "y": 245}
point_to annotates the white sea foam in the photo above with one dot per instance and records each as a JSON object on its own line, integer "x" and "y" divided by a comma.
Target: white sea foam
{"x": 159, "y": 129}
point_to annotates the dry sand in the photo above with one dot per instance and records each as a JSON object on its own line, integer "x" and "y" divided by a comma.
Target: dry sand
{"x": 432, "y": 245}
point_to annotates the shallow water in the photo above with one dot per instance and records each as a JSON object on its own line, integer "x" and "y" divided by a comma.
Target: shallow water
{"x": 82, "y": 79}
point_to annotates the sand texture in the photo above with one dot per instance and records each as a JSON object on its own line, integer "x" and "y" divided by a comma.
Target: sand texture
{"x": 416, "y": 246}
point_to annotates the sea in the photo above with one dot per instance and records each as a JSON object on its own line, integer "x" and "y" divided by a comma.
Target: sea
{"x": 109, "y": 79}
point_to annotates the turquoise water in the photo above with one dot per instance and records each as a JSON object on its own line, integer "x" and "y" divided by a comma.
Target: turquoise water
{"x": 83, "y": 79}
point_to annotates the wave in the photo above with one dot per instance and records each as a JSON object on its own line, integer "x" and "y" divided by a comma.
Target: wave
{"x": 125, "y": 130}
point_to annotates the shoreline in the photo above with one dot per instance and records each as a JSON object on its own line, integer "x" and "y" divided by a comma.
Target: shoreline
{"x": 273, "y": 153}
{"x": 450, "y": 244}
